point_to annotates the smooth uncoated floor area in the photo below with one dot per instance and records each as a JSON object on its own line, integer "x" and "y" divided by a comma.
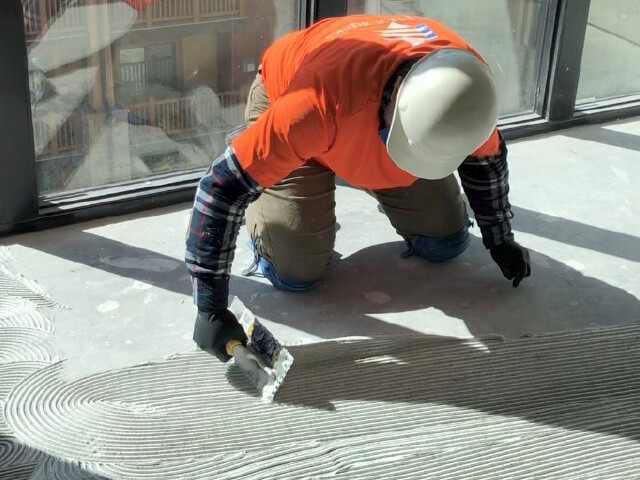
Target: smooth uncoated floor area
{"x": 575, "y": 197}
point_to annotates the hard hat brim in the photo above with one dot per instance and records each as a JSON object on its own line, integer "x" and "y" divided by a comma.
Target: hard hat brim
{"x": 427, "y": 159}
{"x": 414, "y": 162}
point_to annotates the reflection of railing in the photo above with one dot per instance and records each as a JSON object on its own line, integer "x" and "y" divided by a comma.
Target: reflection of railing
{"x": 219, "y": 7}
{"x": 69, "y": 16}
{"x": 68, "y": 135}
{"x": 172, "y": 9}
{"x": 232, "y": 107}
{"x": 134, "y": 73}
{"x": 163, "y": 10}
{"x": 175, "y": 116}
{"x": 179, "y": 116}
{"x": 39, "y": 13}
{"x": 160, "y": 72}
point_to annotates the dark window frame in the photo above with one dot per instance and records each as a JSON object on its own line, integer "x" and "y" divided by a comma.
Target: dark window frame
{"x": 21, "y": 207}
{"x": 18, "y": 189}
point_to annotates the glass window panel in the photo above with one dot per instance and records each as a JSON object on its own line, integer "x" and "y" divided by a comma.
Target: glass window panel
{"x": 123, "y": 90}
{"x": 611, "y": 56}
{"x": 507, "y": 33}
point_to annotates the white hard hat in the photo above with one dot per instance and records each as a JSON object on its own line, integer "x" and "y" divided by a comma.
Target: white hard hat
{"x": 446, "y": 108}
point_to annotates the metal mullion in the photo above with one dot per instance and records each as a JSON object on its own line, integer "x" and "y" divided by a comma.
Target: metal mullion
{"x": 307, "y": 12}
{"x": 18, "y": 185}
{"x": 329, "y": 8}
{"x": 544, "y": 64}
{"x": 568, "y": 42}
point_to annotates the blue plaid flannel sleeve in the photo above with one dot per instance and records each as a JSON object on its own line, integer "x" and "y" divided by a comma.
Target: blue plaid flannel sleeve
{"x": 485, "y": 181}
{"x": 218, "y": 210}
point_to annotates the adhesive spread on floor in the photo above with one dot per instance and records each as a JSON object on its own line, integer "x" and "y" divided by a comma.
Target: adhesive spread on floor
{"x": 24, "y": 349}
{"x": 55, "y": 469}
{"x": 17, "y": 344}
{"x": 17, "y": 462}
{"x": 15, "y": 312}
{"x": 12, "y": 373}
{"x": 15, "y": 285}
{"x": 540, "y": 406}
{"x": 555, "y": 406}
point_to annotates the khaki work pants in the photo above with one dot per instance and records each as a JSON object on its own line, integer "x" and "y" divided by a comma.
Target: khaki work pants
{"x": 293, "y": 223}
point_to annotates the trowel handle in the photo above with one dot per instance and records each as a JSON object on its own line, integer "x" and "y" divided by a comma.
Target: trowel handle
{"x": 230, "y": 345}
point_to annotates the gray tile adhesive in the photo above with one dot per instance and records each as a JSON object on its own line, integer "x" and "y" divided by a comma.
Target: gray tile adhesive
{"x": 24, "y": 349}
{"x": 553, "y": 406}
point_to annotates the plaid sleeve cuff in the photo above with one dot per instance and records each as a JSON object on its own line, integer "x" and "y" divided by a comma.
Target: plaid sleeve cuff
{"x": 496, "y": 234}
{"x": 210, "y": 293}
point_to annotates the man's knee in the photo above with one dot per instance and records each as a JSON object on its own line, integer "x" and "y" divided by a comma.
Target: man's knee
{"x": 440, "y": 248}
{"x": 298, "y": 274}
{"x": 285, "y": 282}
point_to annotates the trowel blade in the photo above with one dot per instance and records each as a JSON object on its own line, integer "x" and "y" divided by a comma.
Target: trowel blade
{"x": 266, "y": 379}
{"x": 264, "y": 360}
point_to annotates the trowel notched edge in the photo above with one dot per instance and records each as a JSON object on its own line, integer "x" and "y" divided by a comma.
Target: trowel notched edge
{"x": 264, "y": 360}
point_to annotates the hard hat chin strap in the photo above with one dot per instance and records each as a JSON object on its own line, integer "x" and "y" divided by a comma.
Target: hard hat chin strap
{"x": 390, "y": 90}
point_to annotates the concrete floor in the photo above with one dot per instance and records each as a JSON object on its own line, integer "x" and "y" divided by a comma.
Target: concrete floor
{"x": 575, "y": 197}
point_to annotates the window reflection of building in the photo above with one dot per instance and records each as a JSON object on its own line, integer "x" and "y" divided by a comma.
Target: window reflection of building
{"x": 177, "y": 77}
{"x": 506, "y": 32}
{"x": 143, "y": 66}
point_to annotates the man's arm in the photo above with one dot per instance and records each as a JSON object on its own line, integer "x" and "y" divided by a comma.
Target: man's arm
{"x": 297, "y": 126}
{"x": 222, "y": 197}
{"x": 485, "y": 180}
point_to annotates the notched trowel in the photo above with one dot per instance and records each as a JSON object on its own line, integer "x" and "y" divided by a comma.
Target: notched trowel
{"x": 264, "y": 361}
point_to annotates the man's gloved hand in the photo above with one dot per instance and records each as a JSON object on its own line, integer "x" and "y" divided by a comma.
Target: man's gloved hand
{"x": 513, "y": 260}
{"x": 213, "y": 329}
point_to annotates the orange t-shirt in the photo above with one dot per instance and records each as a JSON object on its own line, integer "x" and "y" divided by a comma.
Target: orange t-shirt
{"x": 325, "y": 85}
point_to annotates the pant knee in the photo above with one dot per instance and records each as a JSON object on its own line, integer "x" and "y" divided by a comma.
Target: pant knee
{"x": 441, "y": 248}
{"x": 297, "y": 274}
{"x": 283, "y": 282}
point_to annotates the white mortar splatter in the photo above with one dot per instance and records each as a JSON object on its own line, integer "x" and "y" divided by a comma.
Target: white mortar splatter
{"x": 108, "y": 306}
{"x": 150, "y": 298}
{"x": 136, "y": 287}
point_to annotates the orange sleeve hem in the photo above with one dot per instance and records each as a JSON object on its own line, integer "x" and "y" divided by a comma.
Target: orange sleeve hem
{"x": 490, "y": 147}
{"x": 244, "y": 151}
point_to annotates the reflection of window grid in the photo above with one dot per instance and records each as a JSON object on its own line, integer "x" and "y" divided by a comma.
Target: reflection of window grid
{"x": 153, "y": 64}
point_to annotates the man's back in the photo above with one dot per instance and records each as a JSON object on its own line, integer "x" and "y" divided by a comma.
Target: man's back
{"x": 325, "y": 84}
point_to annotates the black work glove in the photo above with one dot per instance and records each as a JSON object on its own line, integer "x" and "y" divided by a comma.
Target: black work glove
{"x": 513, "y": 260}
{"x": 213, "y": 329}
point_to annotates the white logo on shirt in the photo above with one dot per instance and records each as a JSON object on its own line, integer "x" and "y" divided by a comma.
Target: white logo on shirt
{"x": 414, "y": 35}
